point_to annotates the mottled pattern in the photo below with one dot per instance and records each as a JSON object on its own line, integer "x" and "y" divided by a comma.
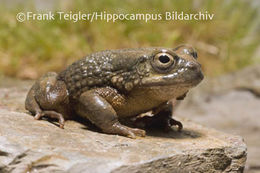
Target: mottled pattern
{"x": 112, "y": 96}
{"x": 106, "y": 68}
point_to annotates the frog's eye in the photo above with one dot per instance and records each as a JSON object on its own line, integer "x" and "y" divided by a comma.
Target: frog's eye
{"x": 163, "y": 61}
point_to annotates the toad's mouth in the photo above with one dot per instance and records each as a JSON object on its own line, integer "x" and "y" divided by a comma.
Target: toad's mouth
{"x": 180, "y": 78}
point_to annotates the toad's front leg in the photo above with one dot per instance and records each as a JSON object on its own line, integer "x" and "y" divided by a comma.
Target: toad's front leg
{"x": 99, "y": 111}
{"x": 162, "y": 118}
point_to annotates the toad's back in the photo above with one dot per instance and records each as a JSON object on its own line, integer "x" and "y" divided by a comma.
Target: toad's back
{"x": 93, "y": 70}
{"x": 98, "y": 69}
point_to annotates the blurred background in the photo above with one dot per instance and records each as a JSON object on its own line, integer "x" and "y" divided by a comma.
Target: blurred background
{"x": 228, "y": 47}
{"x": 29, "y": 49}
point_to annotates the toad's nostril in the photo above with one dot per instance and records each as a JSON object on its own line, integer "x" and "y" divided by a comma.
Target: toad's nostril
{"x": 192, "y": 65}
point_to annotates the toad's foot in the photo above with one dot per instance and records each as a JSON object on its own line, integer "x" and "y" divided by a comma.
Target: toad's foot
{"x": 162, "y": 118}
{"x": 158, "y": 121}
{"x": 51, "y": 114}
{"x": 126, "y": 131}
{"x": 174, "y": 122}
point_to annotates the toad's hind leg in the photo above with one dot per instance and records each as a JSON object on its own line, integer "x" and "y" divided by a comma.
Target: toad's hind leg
{"x": 33, "y": 107}
{"x": 41, "y": 89}
{"x": 96, "y": 109}
{"x": 31, "y": 104}
{"x": 51, "y": 114}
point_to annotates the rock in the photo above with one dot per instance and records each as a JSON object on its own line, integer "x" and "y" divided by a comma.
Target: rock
{"x": 234, "y": 112}
{"x": 28, "y": 145}
{"x": 229, "y": 103}
{"x": 245, "y": 79}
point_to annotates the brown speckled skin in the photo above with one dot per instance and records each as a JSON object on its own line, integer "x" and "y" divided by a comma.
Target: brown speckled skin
{"x": 118, "y": 84}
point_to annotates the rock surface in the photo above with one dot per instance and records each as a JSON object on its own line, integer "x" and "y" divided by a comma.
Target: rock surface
{"x": 229, "y": 103}
{"x": 40, "y": 146}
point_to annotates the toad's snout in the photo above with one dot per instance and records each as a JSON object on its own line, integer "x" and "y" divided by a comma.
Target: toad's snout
{"x": 195, "y": 68}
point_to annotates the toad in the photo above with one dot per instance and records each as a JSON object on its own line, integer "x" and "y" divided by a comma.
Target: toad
{"x": 111, "y": 85}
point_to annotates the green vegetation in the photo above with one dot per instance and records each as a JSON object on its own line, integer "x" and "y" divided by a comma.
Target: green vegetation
{"x": 226, "y": 43}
